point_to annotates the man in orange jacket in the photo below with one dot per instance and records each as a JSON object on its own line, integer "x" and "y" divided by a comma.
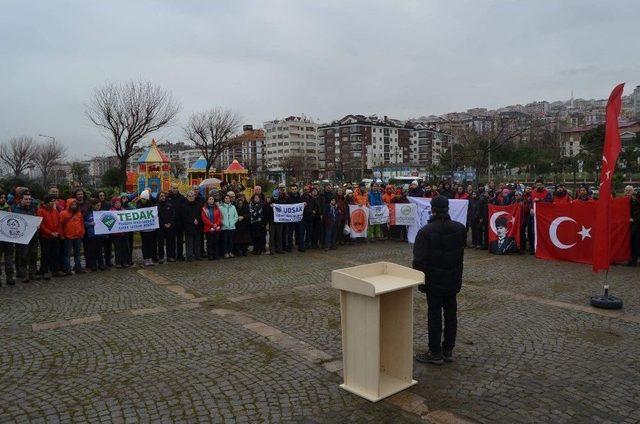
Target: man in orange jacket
{"x": 49, "y": 237}
{"x": 72, "y": 229}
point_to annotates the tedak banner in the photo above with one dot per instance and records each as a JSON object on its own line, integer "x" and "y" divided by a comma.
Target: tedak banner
{"x": 283, "y": 213}
{"x": 565, "y": 231}
{"x": 18, "y": 228}
{"x": 358, "y": 220}
{"x": 378, "y": 214}
{"x": 504, "y": 228}
{"x": 403, "y": 214}
{"x": 126, "y": 221}
{"x": 457, "y": 212}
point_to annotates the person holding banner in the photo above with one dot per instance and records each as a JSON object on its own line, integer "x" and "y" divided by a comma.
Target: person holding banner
{"x": 296, "y": 227}
{"x": 6, "y": 248}
{"x": 120, "y": 240}
{"x": 149, "y": 247}
{"x": 374, "y": 198}
{"x": 439, "y": 253}
{"x": 27, "y": 252}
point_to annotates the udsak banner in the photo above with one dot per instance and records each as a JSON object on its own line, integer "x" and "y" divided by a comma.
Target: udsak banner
{"x": 126, "y": 221}
{"x": 18, "y": 228}
{"x": 288, "y": 213}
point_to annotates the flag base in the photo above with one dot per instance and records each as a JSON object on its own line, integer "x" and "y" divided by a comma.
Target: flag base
{"x": 606, "y": 302}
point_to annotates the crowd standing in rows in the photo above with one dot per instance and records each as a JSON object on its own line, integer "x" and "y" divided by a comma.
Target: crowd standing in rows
{"x": 224, "y": 224}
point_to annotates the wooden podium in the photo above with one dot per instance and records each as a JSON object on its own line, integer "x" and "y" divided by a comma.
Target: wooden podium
{"x": 376, "y": 305}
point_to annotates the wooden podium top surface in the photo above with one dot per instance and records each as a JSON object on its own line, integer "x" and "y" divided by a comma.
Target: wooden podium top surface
{"x": 376, "y": 278}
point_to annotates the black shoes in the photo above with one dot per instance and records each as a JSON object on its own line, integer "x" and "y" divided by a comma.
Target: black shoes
{"x": 430, "y": 358}
{"x": 447, "y": 355}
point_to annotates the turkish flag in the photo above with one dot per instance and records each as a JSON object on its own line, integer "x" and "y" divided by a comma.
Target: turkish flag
{"x": 565, "y": 231}
{"x": 504, "y": 228}
{"x": 602, "y": 236}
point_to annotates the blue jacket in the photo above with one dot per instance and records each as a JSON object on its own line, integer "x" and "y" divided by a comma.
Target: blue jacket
{"x": 90, "y": 230}
{"x": 375, "y": 198}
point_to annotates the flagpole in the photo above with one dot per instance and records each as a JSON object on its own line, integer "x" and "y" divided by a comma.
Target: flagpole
{"x": 606, "y": 301}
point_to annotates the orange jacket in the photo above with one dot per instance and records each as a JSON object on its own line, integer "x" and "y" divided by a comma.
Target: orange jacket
{"x": 71, "y": 223}
{"x": 360, "y": 198}
{"x": 387, "y": 198}
{"x": 50, "y": 222}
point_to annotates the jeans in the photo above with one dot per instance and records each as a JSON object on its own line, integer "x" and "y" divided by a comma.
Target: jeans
{"x": 50, "y": 249}
{"x": 93, "y": 252}
{"x": 28, "y": 254}
{"x": 6, "y": 250}
{"x": 148, "y": 244}
{"x": 166, "y": 237}
{"x": 436, "y": 305}
{"x": 213, "y": 244}
{"x": 227, "y": 241}
{"x": 121, "y": 245}
{"x": 297, "y": 228}
{"x": 330, "y": 236}
{"x": 308, "y": 233}
{"x": 69, "y": 246}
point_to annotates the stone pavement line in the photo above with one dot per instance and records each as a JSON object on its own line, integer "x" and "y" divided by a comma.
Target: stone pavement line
{"x": 65, "y": 323}
{"x": 564, "y": 305}
{"x": 168, "y": 284}
{"x": 407, "y": 401}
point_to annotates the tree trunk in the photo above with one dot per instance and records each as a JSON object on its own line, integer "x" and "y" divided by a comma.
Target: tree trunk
{"x": 123, "y": 174}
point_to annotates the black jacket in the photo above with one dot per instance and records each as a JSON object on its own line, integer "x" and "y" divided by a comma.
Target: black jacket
{"x": 177, "y": 201}
{"x": 166, "y": 213}
{"x": 438, "y": 252}
{"x": 189, "y": 212}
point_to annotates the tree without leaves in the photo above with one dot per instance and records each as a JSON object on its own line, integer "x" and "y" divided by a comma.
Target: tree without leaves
{"x": 47, "y": 156}
{"x": 19, "y": 154}
{"x": 127, "y": 113}
{"x": 177, "y": 168}
{"x": 80, "y": 173}
{"x": 294, "y": 165}
{"x": 211, "y": 133}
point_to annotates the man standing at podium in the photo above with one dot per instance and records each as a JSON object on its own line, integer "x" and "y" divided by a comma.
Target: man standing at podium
{"x": 438, "y": 252}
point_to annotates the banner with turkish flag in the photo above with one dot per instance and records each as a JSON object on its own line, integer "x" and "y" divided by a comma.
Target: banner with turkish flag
{"x": 565, "y": 231}
{"x": 504, "y": 228}
{"x": 603, "y": 246}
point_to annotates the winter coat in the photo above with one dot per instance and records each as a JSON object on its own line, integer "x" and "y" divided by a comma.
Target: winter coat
{"x": 448, "y": 193}
{"x": 360, "y": 198}
{"x": 243, "y": 229}
{"x": 177, "y": 201}
{"x": 312, "y": 209}
{"x": 257, "y": 213}
{"x": 439, "y": 252}
{"x": 229, "y": 216}
{"x": 375, "y": 198}
{"x": 50, "y": 222}
{"x": 190, "y": 212}
{"x": 211, "y": 219}
{"x": 474, "y": 210}
{"x": 565, "y": 198}
{"x": 71, "y": 223}
{"x": 166, "y": 214}
{"x": 416, "y": 192}
{"x": 635, "y": 214}
{"x": 89, "y": 229}
{"x": 462, "y": 196}
{"x": 331, "y": 216}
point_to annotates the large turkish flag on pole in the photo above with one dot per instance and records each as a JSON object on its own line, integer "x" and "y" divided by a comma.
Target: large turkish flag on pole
{"x": 610, "y": 152}
{"x": 565, "y": 231}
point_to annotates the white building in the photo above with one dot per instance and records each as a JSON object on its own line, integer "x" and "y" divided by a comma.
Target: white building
{"x": 292, "y": 136}
{"x": 188, "y": 157}
{"x": 428, "y": 145}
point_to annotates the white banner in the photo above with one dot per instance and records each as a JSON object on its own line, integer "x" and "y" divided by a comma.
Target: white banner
{"x": 457, "y": 211}
{"x": 288, "y": 213}
{"x": 403, "y": 214}
{"x": 18, "y": 228}
{"x": 126, "y": 221}
{"x": 358, "y": 220}
{"x": 378, "y": 214}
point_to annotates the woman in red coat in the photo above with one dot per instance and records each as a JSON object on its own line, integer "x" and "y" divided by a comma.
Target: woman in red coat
{"x": 212, "y": 220}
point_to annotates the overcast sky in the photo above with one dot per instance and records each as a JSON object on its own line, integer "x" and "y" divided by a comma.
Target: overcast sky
{"x": 268, "y": 59}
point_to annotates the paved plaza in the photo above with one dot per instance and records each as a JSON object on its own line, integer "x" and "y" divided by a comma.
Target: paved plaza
{"x": 257, "y": 339}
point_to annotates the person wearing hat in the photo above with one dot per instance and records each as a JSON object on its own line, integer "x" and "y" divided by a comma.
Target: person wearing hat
{"x": 439, "y": 252}
{"x": 415, "y": 190}
{"x": 560, "y": 195}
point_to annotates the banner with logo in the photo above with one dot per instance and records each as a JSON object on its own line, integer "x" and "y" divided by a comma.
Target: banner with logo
{"x": 403, "y": 214}
{"x": 18, "y": 228}
{"x": 378, "y": 214}
{"x": 504, "y": 228}
{"x": 126, "y": 221}
{"x": 565, "y": 231}
{"x": 358, "y": 220}
{"x": 288, "y": 213}
{"x": 457, "y": 211}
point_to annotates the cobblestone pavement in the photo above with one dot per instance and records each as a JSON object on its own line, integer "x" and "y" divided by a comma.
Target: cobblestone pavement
{"x": 257, "y": 339}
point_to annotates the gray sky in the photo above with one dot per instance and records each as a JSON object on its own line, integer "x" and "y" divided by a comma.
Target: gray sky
{"x": 268, "y": 59}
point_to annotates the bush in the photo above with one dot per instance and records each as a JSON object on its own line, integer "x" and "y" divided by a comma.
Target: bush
{"x": 8, "y": 185}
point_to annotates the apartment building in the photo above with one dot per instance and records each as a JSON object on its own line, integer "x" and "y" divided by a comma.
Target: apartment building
{"x": 291, "y": 137}
{"x": 428, "y": 144}
{"x": 247, "y": 148}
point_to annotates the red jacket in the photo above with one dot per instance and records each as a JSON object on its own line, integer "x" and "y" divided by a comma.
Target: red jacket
{"x": 539, "y": 196}
{"x": 71, "y": 223}
{"x": 50, "y": 222}
{"x": 562, "y": 199}
{"x": 462, "y": 196}
{"x": 211, "y": 223}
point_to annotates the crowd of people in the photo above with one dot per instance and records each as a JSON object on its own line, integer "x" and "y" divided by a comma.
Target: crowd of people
{"x": 224, "y": 224}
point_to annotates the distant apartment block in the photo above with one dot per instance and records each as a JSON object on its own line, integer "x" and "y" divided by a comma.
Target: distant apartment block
{"x": 294, "y": 136}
